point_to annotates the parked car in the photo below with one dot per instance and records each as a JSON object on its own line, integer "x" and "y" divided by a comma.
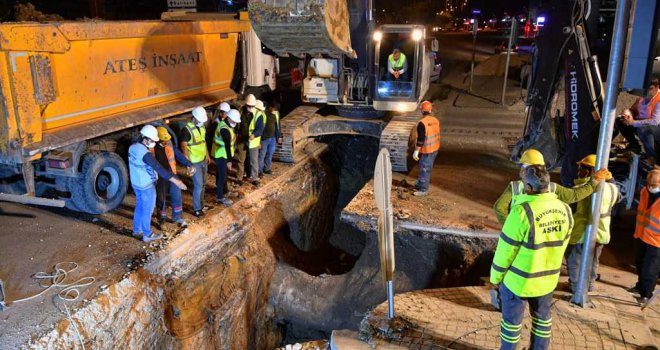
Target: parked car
{"x": 502, "y": 47}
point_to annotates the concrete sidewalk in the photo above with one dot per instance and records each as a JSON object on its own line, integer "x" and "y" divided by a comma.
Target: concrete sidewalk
{"x": 462, "y": 318}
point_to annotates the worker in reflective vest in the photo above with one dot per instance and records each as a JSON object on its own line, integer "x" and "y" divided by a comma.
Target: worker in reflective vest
{"x": 426, "y": 148}
{"x": 193, "y": 146}
{"x": 508, "y": 198}
{"x": 397, "y": 66}
{"x": 528, "y": 259}
{"x": 582, "y": 218}
{"x": 254, "y": 140}
{"x": 642, "y": 119}
{"x": 144, "y": 171}
{"x": 224, "y": 146}
{"x": 647, "y": 231}
{"x": 167, "y": 156}
{"x": 269, "y": 139}
{"x": 242, "y": 136}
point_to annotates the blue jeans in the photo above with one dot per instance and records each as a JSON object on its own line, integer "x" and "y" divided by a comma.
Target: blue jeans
{"x": 513, "y": 309}
{"x": 163, "y": 188}
{"x": 220, "y": 178}
{"x": 573, "y": 264}
{"x": 199, "y": 185}
{"x": 145, "y": 202}
{"x": 649, "y": 135}
{"x": 426, "y": 161}
{"x": 266, "y": 154}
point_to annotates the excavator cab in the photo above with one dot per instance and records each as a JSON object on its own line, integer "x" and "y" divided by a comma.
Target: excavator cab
{"x": 402, "y": 67}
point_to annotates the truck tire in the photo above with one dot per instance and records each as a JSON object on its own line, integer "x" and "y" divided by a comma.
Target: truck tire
{"x": 102, "y": 184}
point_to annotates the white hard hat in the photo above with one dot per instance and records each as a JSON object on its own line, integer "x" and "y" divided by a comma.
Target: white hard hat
{"x": 225, "y": 107}
{"x": 250, "y": 100}
{"x": 199, "y": 113}
{"x": 260, "y": 105}
{"x": 234, "y": 116}
{"x": 150, "y": 132}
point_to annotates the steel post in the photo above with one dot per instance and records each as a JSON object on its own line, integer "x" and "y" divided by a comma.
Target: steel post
{"x": 580, "y": 297}
{"x": 508, "y": 58}
{"x": 475, "y": 26}
{"x": 390, "y": 300}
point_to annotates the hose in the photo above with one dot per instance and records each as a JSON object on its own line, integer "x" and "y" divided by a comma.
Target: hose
{"x": 69, "y": 292}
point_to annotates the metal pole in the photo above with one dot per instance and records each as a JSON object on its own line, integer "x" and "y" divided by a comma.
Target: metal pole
{"x": 508, "y": 58}
{"x": 580, "y": 297}
{"x": 475, "y": 25}
{"x": 390, "y": 300}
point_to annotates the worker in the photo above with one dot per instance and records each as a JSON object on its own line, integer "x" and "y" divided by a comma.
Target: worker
{"x": 144, "y": 171}
{"x": 567, "y": 195}
{"x": 255, "y": 130}
{"x": 243, "y": 135}
{"x": 219, "y": 114}
{"x": 271, "y": 135}
{"x": 193, "y": 146}
{"x": 528, "y": 258}
{"x": 397, "y": 66}
{"x": 582, "y": 218}
{"x": 426, "y": 147}
{"x": 167, "y": 156}
{"x": 642, "y": 119}
{"x": 647, "y": 231}
{"x": 224, "y": 144}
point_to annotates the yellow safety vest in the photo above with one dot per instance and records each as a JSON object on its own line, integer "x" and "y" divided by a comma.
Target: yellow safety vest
{"x": 582, "y": 216}
{"x": 531, "y": 246}
{"x": 197, "y": 143}
{"x": 219, "y": 147}
{"x": 257, "y": 140}
{"x": 397, "y": 65}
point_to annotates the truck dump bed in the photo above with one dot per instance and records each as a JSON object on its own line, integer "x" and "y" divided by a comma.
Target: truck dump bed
{"x": 66, "y": 82}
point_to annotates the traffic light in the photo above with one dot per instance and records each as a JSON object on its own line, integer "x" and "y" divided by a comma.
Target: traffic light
{"x": 642, "y": 46}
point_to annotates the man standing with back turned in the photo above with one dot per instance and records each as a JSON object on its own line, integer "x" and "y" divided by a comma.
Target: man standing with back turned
{"x": 528, "y": 259}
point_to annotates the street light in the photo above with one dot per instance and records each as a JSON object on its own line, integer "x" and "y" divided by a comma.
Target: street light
{"x": 378, "y": 35}
{"x": 417, "y": 35}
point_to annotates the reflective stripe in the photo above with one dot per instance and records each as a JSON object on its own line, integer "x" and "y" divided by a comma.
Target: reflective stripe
{"x": 546, "y": 244}
{"x": 540, "y": 322}
{"x": 608, "y": 213}
{"x": 508, "y": 240}
{"x": 650, "y": 217}
{"x": 498, "y": 268}
{"x": 532, "y": 231}
{"x": 524, "y": 274}
{"x": 509, "y": 339}
{"x": 570, "y": 217}
{"x": 510, "y": 327}
{"x": 540, "y": 333}
{"x": 515, "y": 187}
{"x": 530, "y": 220}
{"x": 552, "y": 188}
{"x": 648, "y": 227}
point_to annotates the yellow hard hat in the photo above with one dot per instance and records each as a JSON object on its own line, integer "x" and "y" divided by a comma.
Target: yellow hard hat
{"x": 532, "y": 157}
{"x": 163, "y": 135}
{"x": 589, "y": 160}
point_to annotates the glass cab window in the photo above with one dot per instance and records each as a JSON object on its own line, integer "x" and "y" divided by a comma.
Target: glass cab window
{"x": 396, "y": 54}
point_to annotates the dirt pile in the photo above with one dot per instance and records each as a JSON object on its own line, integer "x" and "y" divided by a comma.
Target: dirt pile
{"x": 28, "y": 13}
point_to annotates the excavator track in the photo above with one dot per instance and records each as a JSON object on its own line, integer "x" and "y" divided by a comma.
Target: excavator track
{"x": 396, "y": 138}
{"x": 293, "y": 134}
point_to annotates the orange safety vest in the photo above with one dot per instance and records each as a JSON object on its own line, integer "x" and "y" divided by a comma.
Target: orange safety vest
{"x": 648, "y": 220}
{"x": 654, "y": 101}
{"x": 169, "y": 153}
{"x": 432, "y": 141}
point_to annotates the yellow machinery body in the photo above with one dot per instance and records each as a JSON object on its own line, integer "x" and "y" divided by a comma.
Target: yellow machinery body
{"x": 68, "y": 82}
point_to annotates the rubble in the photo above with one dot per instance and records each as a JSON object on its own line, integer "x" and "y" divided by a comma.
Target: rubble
{"x": 28, "y": 13}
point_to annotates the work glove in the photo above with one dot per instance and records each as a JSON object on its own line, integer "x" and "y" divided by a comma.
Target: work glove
{"x": 179, "y": 184}
{"x": 495, "y": 299}
{"x": 416, "y": 155}
{"x": 602, "y": 175}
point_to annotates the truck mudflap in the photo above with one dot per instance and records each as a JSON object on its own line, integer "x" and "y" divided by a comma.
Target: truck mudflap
{"x": 301, "y": 27}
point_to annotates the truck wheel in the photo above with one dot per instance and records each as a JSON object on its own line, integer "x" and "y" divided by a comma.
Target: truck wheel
{"x": 102, "y": 185}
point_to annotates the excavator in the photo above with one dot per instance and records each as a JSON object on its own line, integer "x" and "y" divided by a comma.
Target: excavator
{"x": 345, "y": 59}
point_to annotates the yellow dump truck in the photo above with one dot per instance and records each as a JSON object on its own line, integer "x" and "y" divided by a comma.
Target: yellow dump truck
{"x": 70, "y": 92}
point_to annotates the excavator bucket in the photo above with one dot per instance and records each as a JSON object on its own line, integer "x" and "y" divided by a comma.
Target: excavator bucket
{"x": 301, "y": 27}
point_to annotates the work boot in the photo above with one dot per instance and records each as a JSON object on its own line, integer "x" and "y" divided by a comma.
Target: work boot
{"x": 160, "y": 221}
{"x": 420, "y": 193}
{"x": 152, "y": 237}
{"x": 182, "y": 223}
{"x": 137, "y": 235}
{"x": 267, "y": 172}
{"x": 224, "y": 201}
{"x": 199, "y": 213}
{"x": 633, "y": 290}
{"x": 255, "y": 182}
